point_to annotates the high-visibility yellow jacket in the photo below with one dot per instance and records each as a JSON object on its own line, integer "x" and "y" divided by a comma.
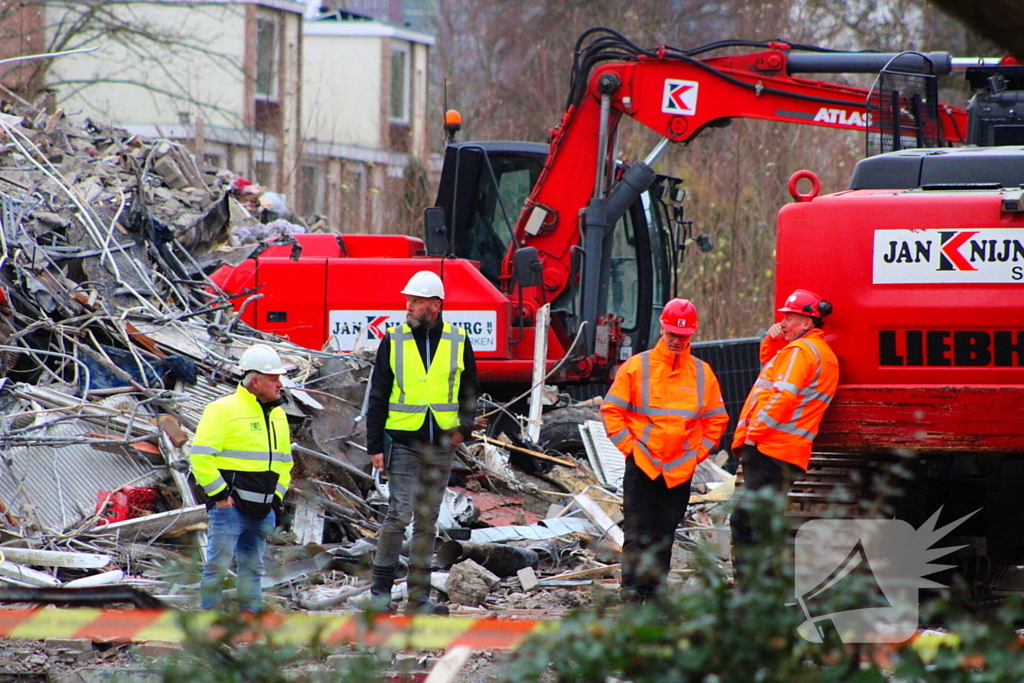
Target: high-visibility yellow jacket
{"x": 784, "y": 408}
{"x": 244, "y": 451}
{"x": 665, "y": 410}
{"x": 417, "y": 389}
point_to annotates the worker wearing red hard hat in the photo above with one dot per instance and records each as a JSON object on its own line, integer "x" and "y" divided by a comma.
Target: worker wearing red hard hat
{"x": 665, "y": 413}
{"x": 784, "y": 408}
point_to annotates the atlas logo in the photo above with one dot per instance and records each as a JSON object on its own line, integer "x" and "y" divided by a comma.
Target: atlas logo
{"x": 680, "y": 97}
{"x": 843, "y": 117}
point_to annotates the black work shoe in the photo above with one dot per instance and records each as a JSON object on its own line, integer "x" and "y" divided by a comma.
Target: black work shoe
{"x": 382, "y": 582}
{"x": 381, "y": 604}
{"x": 426, "y": 607}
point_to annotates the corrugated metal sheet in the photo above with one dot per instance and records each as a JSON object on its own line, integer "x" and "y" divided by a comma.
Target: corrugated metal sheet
{"x": 201, "y": 393}
{"x": 606, "y": 460}
{"x": 54, "y": 488}
{"x": 548, "y": 528}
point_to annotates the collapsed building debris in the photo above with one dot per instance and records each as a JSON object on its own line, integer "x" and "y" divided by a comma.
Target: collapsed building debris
{"x": 112, "y": 341}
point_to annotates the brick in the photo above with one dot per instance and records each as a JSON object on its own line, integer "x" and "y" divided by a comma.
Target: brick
{"x": 156, "y": 649}
{"x": 70, "y": 644}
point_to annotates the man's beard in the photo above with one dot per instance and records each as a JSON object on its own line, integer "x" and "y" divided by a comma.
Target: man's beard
{"x": 416, "y": 323}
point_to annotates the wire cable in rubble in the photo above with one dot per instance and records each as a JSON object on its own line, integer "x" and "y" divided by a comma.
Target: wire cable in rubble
{"x": 84, "y": 213}
{"x": 535, "y": 454}
{"x": 85, "y": 368}
{"x": 554, "y": 369}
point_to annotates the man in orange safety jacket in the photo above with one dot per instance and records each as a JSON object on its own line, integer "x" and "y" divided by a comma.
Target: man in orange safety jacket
{"x": 784, "y": 408}
{"x": 665, "y": 413}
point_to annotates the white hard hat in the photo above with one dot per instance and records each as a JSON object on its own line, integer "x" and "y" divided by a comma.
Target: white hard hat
{"x": 425, "y": 284}
{"x": 261, "y": 358}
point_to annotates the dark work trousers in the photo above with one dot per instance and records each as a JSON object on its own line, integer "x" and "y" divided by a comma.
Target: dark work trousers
{"x": 651, "y": 512}
{"x": 759, "y": 472}
{"x": 417, "y": 479}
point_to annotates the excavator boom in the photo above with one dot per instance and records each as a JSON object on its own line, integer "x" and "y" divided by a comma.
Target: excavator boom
{"x": 580, "y": 195}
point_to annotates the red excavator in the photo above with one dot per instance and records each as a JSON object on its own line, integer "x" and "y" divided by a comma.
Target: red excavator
{"x": 519, "y": 225}
{"x": 922, "y": 257}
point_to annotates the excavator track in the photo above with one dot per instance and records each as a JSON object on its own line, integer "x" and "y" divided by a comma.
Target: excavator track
{"x": 834, "y": 487}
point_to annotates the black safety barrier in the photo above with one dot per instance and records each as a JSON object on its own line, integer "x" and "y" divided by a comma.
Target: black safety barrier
{"x": 736, "y": 363}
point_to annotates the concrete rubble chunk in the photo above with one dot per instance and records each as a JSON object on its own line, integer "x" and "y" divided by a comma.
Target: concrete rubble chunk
{"x": 469, "y": 583}
{"x": 80, "y": 644}
{"x": 527, "y": 578}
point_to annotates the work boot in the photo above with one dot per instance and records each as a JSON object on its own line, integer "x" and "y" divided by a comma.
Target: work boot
{"x": 419, "y": 602}
{"x": 426, "y": 606}
{"x": 380, "y": 589}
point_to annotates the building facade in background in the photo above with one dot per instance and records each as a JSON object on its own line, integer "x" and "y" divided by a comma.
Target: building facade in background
{"x": 322, "y": 102}
{"x": 365, "y": 133}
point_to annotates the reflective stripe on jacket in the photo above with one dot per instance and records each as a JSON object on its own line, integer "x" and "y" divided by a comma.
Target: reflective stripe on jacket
{"x": 417, "y": 389}
{"x": 238, "y": 444}
{"x": 784, "y": 408}
{"x": 666, "y": 411}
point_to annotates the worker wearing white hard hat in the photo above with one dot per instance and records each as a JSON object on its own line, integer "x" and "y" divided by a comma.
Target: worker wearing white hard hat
{"x": 422, "y": 405}
{"x": 425, "y": 284}
{"x": 241, "y": 457}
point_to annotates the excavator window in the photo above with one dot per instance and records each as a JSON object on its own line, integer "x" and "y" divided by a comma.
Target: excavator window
{"x": 488, "y": 236}
{"x": 624, "y": 282}
{"x": 483, "y": 188}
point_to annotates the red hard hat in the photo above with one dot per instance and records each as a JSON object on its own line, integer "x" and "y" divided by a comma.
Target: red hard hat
{"x": 806, "y": 302}
{"x": 679, "y": 317}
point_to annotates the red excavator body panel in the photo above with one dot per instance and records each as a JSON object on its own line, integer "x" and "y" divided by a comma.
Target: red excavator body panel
{"x": 928, "y": 292}
{"x": 341, "y": 293}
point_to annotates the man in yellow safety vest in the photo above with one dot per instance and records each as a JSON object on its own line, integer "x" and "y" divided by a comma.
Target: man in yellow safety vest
{"x": 242, "y": 458}
{"x": 422, "y": 403}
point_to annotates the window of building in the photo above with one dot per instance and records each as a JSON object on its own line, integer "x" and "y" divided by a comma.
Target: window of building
{"x": 353, "y": 198}
{"x": 266, "y": 57}
{"x": 399, "y": 110}
{"x": 310, "y": 191}
{"x": 265, "y": 173}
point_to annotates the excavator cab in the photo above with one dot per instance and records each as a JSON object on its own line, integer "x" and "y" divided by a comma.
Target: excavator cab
{"x": 483, "y": 188}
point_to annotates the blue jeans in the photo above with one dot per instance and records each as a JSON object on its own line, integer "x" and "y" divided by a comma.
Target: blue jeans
{"x": 417, "y": 480}
{"x": 234, "y": 535}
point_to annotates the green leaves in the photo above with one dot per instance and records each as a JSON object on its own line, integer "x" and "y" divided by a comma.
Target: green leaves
{"x": 711, "y": 631}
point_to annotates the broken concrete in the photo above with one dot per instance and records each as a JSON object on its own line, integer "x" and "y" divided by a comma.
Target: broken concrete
{"x": 470, "y": 584}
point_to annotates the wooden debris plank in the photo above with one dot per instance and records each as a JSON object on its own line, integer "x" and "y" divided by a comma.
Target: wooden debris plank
{"x": 55, "y": 558}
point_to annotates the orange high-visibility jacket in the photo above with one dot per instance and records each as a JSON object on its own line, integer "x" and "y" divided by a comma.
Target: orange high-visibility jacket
{"x": 666, "y": 411}
{"x": 789, "y": 398}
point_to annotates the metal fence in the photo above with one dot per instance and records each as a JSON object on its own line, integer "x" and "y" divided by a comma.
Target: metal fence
{"x": 736, "y": 363}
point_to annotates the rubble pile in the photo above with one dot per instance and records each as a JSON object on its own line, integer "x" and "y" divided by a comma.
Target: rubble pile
{"x": 112, "y": 341}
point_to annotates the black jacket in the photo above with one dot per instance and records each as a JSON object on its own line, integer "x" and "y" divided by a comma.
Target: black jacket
{"x": 380, "y": 394}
